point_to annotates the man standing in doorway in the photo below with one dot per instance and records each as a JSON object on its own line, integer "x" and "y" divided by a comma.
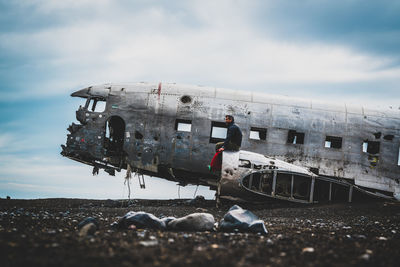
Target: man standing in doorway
{"x": 233, "y": 139}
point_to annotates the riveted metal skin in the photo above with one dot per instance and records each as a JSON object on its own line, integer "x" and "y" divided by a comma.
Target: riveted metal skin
{"x": 138, "y": 128}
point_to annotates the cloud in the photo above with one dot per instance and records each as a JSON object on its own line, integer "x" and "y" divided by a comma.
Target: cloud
{"x": 155, "y": 43}
{"x": 5, "y": 139}
{"x": 369, "y": 26}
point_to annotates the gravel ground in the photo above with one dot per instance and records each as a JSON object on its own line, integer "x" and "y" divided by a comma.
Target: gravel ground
{"x": 44, "y": 232}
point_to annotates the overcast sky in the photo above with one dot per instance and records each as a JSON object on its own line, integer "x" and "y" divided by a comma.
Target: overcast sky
{"x": 331, "y": 50}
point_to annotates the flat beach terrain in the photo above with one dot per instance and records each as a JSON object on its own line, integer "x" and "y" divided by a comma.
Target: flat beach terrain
{"x": 45, "y": 232}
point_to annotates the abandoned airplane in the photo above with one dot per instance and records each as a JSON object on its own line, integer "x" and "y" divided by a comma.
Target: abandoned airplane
{"x": 301, "y": 150}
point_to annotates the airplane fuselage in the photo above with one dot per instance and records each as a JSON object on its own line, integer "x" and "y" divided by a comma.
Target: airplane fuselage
{"x": 170, "y": 131}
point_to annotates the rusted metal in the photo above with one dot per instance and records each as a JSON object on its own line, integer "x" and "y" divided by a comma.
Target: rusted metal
{"x": 137, "y": 127}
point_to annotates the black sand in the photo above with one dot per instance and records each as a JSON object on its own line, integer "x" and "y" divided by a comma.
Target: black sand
{"x": 44, "y": 233}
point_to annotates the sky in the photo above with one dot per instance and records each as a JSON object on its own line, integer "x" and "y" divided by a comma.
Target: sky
{"x": 329, "y": 50}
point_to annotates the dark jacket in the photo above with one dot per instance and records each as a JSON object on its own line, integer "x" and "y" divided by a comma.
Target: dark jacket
{"x": 234, "y": 135}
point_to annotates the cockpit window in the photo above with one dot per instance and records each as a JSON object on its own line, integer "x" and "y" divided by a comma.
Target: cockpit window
{"x": 96, "y": 104}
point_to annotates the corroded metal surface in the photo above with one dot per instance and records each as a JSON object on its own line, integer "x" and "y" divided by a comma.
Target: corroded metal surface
{"x": 139, "y": 127}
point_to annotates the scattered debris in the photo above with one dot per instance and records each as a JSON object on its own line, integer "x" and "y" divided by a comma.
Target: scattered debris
{"x": 30, "y": 227}
{"x": 167, "y": 220}
{"x": 141, "y": 220}
{"x": 236, "y": 219}
{"x": 193, "y": 222}
{"x": 242, "y": 220}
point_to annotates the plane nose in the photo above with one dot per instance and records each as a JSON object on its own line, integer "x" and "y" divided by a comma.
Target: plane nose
{"x": 93, "y": 91}
{"x": 81, "y": 93}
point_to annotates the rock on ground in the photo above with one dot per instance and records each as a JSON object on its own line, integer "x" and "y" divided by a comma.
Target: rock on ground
{"x": 193, "y": 222}
{"x": 242, "y": 220}
{"x": 141, "y": 220}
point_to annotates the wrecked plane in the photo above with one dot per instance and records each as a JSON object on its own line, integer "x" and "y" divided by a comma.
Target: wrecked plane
{"x": 302, "y": 150}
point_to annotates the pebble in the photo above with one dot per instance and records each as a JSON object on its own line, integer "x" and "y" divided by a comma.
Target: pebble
{"x": 88, "y": 230}
{"x": 88, "y": 220}
{"x": 149, "y": 243}
{"x": 308, "y": 250}
{"x": 214, "y": 246}
{"x": 51, "y": 232}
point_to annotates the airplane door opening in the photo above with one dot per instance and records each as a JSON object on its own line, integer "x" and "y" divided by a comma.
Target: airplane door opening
{"x": 114, "y": 136}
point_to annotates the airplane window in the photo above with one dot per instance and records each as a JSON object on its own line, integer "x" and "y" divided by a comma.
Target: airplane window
{"x": 100, "y": 106}
{"x": 96, "y": 105}
{"x": 295, "y": 137}
{"x": 371, "y": 147}
{"x": 183, "y": 125}
{"x": 258, "y": 133}
{"x": 333, "y": 142}
{"x": 218, "y": 132}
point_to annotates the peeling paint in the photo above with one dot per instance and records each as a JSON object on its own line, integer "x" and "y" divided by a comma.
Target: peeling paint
{"x": 365, "y": 146}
